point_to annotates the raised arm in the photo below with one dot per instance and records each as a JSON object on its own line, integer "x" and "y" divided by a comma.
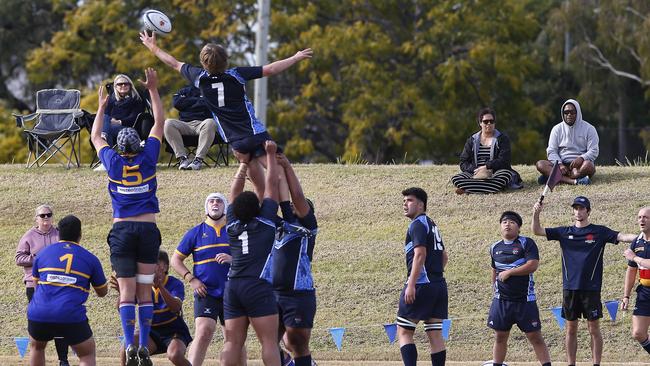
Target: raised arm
{"x": 98, "y": 125}
{"x": 272, "y": 178}
{"x": 295, "y": 189}
{"x": 535, "y": 225}
{"x": 151, "y": 83}
{"x": 150, "y": 43}
{"x": 281, "y": 65}
{"x": 238, "y": 182}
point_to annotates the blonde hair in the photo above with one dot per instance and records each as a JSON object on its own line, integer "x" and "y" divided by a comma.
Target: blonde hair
{"x": 214, "y": 58}
{"x": 133, "y": 92}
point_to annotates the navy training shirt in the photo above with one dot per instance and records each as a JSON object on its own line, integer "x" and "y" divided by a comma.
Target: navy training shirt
{"x": 225, "y": 96}
{"x": 423, "y": 231}
{"x": 512, "y": 254}
{"x": 582, "y": 254}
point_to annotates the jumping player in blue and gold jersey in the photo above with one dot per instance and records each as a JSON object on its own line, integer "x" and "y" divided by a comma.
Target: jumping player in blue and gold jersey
{"x": 134, "y": 239}
{"x": 169, "y": 333}
{"x": 224, "y": 91}
{"x": 248, "y": 297}
{"x": 63, "y": 273}
{"x": 207, "y": 243}
{"x": 583, "y": 245}
{"x": 424, "y": 297}
{"x": 289, "y": 268}
{"x": 638, "y": 256}
{"x": 514, "y": 259}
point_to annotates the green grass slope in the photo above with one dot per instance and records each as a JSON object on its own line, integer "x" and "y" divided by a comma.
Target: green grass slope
{"x": 359, "y": 261}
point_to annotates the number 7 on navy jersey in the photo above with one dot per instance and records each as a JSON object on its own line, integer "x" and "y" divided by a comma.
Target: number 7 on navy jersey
{"x": 220, "y": 92}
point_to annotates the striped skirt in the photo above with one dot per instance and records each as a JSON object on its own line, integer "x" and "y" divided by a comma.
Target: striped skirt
{"x": 499, "y": 181}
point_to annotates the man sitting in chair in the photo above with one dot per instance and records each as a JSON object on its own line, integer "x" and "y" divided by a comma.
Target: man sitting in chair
{"x": 195, "y": 119}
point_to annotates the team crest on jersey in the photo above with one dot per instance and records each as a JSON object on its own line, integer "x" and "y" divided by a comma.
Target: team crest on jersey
{"x": 589, "y": 239}
{"x": 515, "y": 251}
{"x": 205, "y": 235}
{"x": 638, "y": 249}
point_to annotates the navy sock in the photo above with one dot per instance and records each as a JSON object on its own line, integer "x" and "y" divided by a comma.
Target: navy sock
{"x": 438, "y": 358}
{"x": 127, "y": 316}
{"x": 303, "y": 361}
{"x": 409, "y": 354}
{"x": 646, "y": 345}
{"x": 145, "y": 314}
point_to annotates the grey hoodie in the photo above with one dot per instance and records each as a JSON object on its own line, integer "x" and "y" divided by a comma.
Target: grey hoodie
{"x": 566, "y": 142}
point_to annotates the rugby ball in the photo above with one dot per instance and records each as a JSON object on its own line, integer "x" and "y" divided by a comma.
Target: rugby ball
{"x": 491, "y": 362}
{"x": 156, "y": 21}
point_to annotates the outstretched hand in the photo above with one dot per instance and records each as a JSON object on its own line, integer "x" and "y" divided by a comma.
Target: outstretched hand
{"x": 629, "y": 254}
{"x": 151, "y": 78}
{"x": 103, "y": 99}
{"x": 149, "y": 40}
{"x": 270, "y": 147}
{"x": 306, "y": 53}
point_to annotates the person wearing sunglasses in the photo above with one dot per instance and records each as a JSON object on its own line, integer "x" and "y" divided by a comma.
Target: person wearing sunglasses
{"x": 485, "y": 160}
{"x": 124, "y": 106}
{"x": 574, "y": 144}
{"x": 42, "y": 234}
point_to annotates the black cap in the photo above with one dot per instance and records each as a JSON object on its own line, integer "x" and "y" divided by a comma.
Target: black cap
{"x": 582, "y": 201}
{"x": 511, "y": 215}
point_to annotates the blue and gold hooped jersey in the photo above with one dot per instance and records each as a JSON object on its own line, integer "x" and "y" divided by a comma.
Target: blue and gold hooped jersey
{"x": 423, "y": 232}
{"x": 512, "y": 254}
{"x": 132, "y": 179}
{"x": 65, "y": 271}
{"x": 204, "y": 242}
{"x": 161, "y": 313}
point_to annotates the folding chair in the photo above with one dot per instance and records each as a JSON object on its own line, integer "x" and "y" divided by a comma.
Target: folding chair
{"x": 58, "y": 115}
{"x": 192, "y": 141}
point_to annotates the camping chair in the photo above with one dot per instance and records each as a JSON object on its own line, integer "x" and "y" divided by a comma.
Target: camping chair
{"x": 192, "y": 141}
{"x": 58, "y": 115}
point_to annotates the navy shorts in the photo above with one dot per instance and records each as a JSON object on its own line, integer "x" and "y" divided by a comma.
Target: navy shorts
{"x": 297, "y": 309}
{"x": 642, "y": 306}
{"x": 163, "y": 335}
{"x": 578, "y": 303}
{"x": 209, "y": 307}
{"x": 73, "y": 333}
{"x": 430, "y": 302}
{"x": 253, "y": 145}
{"x": 504, "y": 313}
{"x": 132, "y": 242}
{"x": 251, "y": 297}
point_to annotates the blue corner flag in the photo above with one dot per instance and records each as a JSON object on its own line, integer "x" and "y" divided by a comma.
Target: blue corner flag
{"x": 21, "y": 344}
{"x": 446, "y": 327}
{"x": 612, "y": 309}
{"x": 337, "y": 336}
{"x": 558, "y": 316}
{"x": 391, "y": 331}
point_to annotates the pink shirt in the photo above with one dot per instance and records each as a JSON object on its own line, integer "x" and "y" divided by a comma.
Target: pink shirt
{"x": 29, "y": 245}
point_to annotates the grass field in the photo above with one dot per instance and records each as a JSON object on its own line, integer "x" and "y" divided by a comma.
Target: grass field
{"x": 359, "y": 263}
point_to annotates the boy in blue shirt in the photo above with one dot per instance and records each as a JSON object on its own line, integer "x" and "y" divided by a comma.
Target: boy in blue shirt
{"x": 583, "y": 245}
{"x": 63, "y": 273}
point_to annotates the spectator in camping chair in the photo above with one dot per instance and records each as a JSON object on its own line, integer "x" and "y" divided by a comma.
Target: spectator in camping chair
{"x": 125, "y": 104}
{"x": 485, "y": 160}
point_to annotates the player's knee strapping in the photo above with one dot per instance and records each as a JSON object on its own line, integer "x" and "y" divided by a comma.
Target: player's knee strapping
{"x": 405, "y": 323}
{"x": 428, "y": 327}
{"x": 144, "y": 278}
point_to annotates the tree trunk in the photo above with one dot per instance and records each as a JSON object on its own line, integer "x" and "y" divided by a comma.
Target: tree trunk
{"x": 622, "y": 118}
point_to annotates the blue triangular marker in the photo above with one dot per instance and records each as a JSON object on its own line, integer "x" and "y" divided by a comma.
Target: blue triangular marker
{"x": 337, "y": 336}
{"x": 446, "y": 326}
{"x": 21, "y": 344}
{"x": 558, "y": 316}
{"x": 391, "y": 331}
{"x": 612, "y": 308}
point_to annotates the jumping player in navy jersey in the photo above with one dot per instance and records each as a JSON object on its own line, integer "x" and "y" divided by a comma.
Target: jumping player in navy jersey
{"x": 583, "y": 245}
{"x": 424, "y": 297}
{"x": 207, "y": 243}
{"x": 289, "y": 269}
{"x": 638, "y": 256}
{"x": 169, "y": 333}
{"x": 63, "y": 273}
{"x": 514, "y": 259}
{"x": 134, "y": 239}
{"x": 248, "y": 297}
{"x": 225, "y": 94}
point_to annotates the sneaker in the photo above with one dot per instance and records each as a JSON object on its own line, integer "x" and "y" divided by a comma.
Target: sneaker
{"x": 195, "y": 164}
{"x": 583, "y": 181}
{"x": 143, "y": 357}
{"x": 100, "y": 168}
{"x": 132, "y": 356}
{"x": 542, "y": 179}
{"x": 183, "y": 162}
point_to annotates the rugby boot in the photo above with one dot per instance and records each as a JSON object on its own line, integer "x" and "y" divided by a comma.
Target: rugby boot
{"x": 143, "y": 357}
{"x": 131, "y": 356}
